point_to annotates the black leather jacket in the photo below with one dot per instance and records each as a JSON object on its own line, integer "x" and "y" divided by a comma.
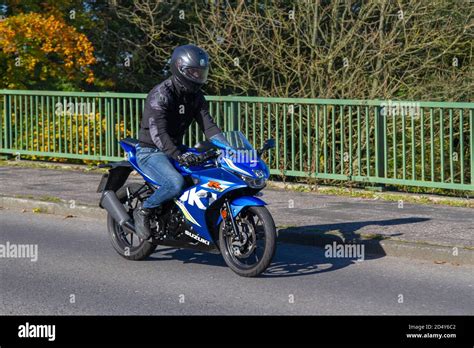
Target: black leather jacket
{"x": 167, "y": 115}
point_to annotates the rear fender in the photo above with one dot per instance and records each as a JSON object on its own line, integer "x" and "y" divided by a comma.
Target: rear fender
{"x": 116, "y": 177}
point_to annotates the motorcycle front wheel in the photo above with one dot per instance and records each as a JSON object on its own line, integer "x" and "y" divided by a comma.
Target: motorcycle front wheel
{"x": 250, "y": 254}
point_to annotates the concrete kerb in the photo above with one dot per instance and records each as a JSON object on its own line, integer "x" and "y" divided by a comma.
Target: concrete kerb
{"x": 66, "y": 209}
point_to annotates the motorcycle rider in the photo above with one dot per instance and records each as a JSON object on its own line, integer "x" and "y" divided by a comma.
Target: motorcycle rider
{"x": 170, "y": 108}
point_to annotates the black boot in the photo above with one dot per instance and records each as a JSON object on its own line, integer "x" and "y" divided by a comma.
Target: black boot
{"x": 142, "y": 222}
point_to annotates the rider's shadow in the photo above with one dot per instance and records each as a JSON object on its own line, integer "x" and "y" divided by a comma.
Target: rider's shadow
{"x": 293, "y": 260}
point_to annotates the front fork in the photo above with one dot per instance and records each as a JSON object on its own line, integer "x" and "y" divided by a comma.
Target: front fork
{"x": 235, "y": 230}
{"x": 229, "y": 212}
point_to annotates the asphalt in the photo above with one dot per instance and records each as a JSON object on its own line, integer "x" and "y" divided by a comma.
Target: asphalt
{"x": 430, "y": 232}
{"x": 76, "y": 261}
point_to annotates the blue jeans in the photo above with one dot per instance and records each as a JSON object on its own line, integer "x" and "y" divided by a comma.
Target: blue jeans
{"x": 158, "y": 167}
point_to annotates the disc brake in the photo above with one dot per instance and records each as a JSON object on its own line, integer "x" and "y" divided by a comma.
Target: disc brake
{"x": 247, "y": 243}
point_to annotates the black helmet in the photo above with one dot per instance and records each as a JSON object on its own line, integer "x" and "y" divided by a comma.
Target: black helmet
{"x": 189, "y": 66}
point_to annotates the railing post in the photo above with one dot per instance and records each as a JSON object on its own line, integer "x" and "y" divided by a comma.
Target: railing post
{"x": 379, "y": 142}
{"x": 1, "y": 120}
{"x": 235, "y": 116}
{"x": 107, "y": 128}
{"x": 471, "y": 141}
{"x": 6, "y": 123}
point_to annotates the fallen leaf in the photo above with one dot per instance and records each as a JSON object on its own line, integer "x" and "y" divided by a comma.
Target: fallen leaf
{"x": 440, "y": 262}
{"x": 69, "y": 216}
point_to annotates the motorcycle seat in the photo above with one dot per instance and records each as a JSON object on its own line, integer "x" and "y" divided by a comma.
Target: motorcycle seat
{"x": 130, "y": 141}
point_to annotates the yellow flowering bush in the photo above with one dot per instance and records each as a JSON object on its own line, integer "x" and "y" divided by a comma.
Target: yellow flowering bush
{"x": 36, "y": 47}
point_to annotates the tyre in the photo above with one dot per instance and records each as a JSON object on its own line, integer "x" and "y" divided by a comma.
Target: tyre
{"x": 128, "y": 245}
{"x": 252, "y": 255}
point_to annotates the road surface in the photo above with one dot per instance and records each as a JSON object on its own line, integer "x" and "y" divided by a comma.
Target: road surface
{"x": 78, "y": 272}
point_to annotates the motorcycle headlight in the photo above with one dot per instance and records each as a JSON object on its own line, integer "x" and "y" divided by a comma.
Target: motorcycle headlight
{"x": 255, "y": 183}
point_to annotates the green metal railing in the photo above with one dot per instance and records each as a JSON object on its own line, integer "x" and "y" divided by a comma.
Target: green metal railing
{"x": 428, "y": 144}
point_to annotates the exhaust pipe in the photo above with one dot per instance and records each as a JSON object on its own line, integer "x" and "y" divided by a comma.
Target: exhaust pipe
{"x": 111, "y": 203}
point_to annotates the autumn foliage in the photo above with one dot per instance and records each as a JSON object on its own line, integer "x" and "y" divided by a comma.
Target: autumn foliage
{"x": 37, "y": 47}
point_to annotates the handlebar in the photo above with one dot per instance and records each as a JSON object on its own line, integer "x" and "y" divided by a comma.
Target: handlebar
{"x": 212, "y": 153}
{"x": 201, "y": 158}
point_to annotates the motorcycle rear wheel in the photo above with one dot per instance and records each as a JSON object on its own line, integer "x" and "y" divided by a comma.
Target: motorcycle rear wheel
{"x": 128, "y": 245}
{"x": 257, "y": 253}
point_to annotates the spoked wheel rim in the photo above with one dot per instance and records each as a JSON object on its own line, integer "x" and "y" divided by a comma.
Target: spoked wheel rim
{"x": 249, "y": 252}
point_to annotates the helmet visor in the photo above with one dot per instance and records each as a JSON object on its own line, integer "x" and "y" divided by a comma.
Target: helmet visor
{"x": 198, "y": 75}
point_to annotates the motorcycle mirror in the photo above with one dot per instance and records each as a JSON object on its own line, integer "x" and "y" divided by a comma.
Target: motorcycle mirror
{"x": 267, "y": 145}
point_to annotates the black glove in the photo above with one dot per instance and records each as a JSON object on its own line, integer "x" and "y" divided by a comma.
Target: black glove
{"x": 188, "y": 159}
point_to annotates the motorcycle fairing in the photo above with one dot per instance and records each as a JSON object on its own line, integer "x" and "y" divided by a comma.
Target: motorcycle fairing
{"x": 212, "y": 184}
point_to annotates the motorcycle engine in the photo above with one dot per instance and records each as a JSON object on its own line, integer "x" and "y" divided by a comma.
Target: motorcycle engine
{"x": 174, "y": 223}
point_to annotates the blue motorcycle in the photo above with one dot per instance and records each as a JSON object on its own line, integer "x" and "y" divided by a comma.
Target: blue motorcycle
{"x": 218, "y": 211}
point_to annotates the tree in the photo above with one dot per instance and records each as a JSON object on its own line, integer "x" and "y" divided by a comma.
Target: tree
{"x": 337, "y": 49}
{"x": 41, "y": 51}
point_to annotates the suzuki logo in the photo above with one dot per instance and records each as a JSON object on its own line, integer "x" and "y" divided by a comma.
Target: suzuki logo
{"x": 259, "y": 173}
{"x": 196, "y": 237}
